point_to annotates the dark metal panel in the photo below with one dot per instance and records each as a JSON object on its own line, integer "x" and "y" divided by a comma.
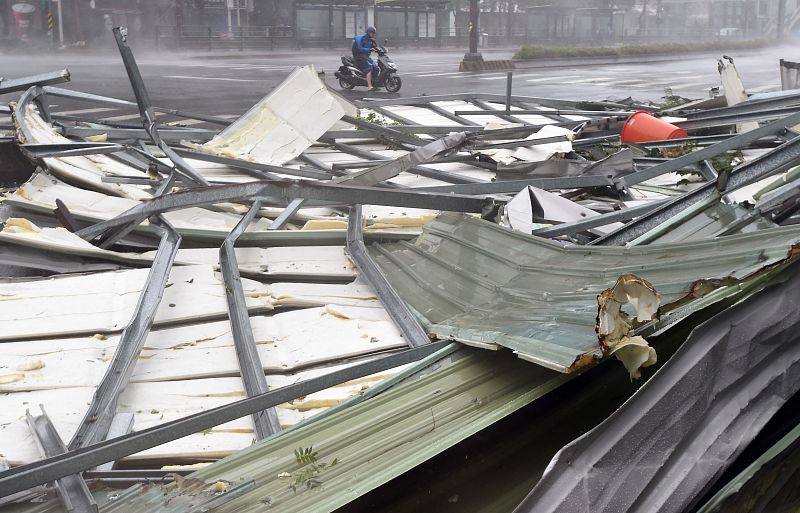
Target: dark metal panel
{"x": 672, "y": 440}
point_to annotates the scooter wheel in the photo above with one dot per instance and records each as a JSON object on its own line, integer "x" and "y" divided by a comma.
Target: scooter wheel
{"x": 393, "y": 83}
{"x": 345, "y": 84}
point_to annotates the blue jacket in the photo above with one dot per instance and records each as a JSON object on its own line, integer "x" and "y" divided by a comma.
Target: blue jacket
{"x": 362, "y": 44}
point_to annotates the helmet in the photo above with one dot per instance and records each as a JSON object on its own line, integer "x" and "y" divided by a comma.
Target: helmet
{"x": 371, "y": 30}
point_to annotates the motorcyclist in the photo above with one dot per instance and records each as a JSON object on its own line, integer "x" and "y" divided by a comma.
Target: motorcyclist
{"x": 362, "y": 47}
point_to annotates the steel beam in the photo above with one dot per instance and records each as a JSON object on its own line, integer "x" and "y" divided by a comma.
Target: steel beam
{"x": 250, "y": 366}
{"x": 24, "y": 83}
{"x": 76, "y": 149}
{"x": 447, "y": 114}
{"x": 27, "y": 476}
{"x": 133, "y": 134}
{"x": 393, "y": 168}
{"x": 101, "y": 411}
{"x": 397, "y": 309}
{"x": 72, "y": 489}
{"x": 596, "y": 221}
{"x": 775, "y": 161}
{"x": 733, "y": 143}
{"x": 282, "y": 192}
{"x": 388, "y": 132}
{"x": 146, "y": 111}
{"x": 254, "y": 168}
{"x": 514, "y": 186}
{"x": 291, "y": 209}
{"x": 428, "y": 172}
{"x": 66, "y": 93}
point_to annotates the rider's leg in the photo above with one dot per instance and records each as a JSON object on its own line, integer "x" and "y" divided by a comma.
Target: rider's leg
{"x": 369, "y": 80}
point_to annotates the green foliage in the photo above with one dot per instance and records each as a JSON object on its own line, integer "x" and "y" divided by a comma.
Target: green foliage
{"x": 310, "y": 469}
{"x": 541, "y": 52}
{"x": 374, "y": 118}
{"x": 305, "y": 456}
{"x": 671, "y": 101}
{"x": 727, "y": 161}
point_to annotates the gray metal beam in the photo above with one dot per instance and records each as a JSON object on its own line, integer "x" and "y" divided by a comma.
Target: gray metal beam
{"x": 291, "y": 209}
{"x": 255, "y": 168}
{"x": 282, "y": 192}
{"x": 514, "y": 186}
{"x": 733, "y": 143}
{"x": 398, "y": 310}
{"x": 133, "y": 134}
{"x": 447, "y": 114}
{"x": 731, "y": 119}
{"x": 27, "y": 476}
{"x": 492, "y": 97}
{"x": 593, "y": 222}
{"x": 250, "y": 366}
{"x": 101, "y": 411}
{"x": 120, "y": 426}
{"x": 105, "y": 100}
{"x": 488, "y": 111}
{"x": 385, "y": 131}
{"x": 391, "y": 115}
{"x": 24, "y": 83}
{"x": 146, "y": 112}
{"x": 393, "y": 168}
{"x": 428, "y": 172}
{"x": 76, "y": 149}
{"x": 775, "y": 161}
{"x": 497, "y": 113}
{"x": 72, "y": 489}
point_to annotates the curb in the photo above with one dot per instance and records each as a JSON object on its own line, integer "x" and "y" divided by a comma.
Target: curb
{"x": 633, "y": 59}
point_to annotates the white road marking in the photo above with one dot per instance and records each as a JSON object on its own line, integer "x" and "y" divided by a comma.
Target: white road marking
{"x": 214, "y": 78}
{"x": 590, "y": 80}
{"x": 122, "y": 118}
{"x": 761, "y": 89}
{"x": 546, "y": 79}
{"x": 86, "y": 111}
{"x": 185, "y": 122}
{"x": 502, "y": 76}
{"x": 702, "y": 85}
{"x": 440, "y": 74}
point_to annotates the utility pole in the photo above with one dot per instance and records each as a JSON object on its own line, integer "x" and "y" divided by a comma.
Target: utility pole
{"x": 473, "y": 60}
{"x": 60, "y": 24}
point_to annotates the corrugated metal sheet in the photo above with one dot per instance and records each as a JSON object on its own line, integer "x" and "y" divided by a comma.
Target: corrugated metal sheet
{"x": 484, "y": 285}
{"x": 374, "y": 441}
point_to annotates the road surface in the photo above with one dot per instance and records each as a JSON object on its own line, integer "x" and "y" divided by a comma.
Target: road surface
{"x": 228, "y": 84}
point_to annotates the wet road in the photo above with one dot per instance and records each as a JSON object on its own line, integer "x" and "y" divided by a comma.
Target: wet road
{"x": 228, "y": 84}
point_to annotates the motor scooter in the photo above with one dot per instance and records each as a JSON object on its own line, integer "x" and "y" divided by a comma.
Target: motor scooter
{"x": 350, "y": 76}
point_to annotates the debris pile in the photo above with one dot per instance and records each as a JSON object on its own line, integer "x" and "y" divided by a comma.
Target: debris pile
{"x": 353, "y": 276}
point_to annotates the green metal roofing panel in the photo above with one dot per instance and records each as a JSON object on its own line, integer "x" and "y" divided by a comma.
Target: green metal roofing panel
{"x": 373, "y": 442}
{"x": 481, "y": 284}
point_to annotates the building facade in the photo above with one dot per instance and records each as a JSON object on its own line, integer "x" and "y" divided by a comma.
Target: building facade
{"x": 230, "y": 24}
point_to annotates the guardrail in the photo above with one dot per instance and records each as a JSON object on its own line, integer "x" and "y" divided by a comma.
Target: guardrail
{"x": 198, "y": 37}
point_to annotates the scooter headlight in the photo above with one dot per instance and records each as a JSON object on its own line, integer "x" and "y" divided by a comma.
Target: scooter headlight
{"x": 391, "y": 65}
